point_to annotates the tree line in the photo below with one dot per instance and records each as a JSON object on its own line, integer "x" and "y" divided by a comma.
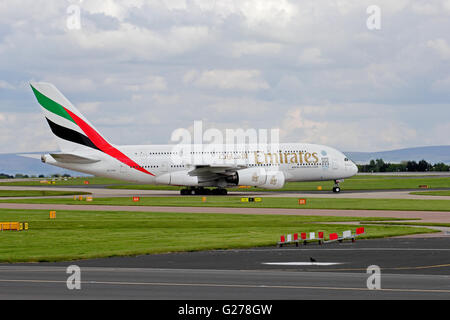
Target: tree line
{"x": 379, "y": 165}
{"x": 25, "y": 176}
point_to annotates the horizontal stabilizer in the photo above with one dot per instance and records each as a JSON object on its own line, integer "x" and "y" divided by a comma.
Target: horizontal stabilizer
{"x": 36, "y": 156}
{"x": 72, "y": 158}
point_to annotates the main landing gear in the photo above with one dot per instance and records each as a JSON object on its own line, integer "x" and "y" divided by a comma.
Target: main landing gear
{"x": 200, "y": 191}
{"x": 336, "y": 188}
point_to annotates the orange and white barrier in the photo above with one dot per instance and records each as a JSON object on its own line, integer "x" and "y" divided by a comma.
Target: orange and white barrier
{"x": 333, "y": 237}
{"x": 320, "y": 237}
{"x": 346, "y": 235}
{"x": 297, "y": 238}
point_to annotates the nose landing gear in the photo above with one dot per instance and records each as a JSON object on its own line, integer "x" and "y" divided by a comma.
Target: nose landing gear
{"x": 336, "y": 188}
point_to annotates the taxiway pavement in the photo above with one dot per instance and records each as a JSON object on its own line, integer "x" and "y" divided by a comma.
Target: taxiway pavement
{"x": 410, "y": 269}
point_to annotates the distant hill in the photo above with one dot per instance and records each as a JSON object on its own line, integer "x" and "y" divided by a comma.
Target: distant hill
{"x": 430, "y": 154}
{"x": 12, "y": 164}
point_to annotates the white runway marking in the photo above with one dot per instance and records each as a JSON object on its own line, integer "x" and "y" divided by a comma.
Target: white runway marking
{"x": 301, "y": 263}
{"x": 220, "y": 285}
{"x": 332, "y": 249}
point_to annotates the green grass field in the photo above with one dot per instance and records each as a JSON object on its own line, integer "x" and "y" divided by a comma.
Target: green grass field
{"x": 83, "y": 234}
{"x": 94, "y": 234}
{"x": 267, "y": 202}
{"x": 432, "y": 193}
{"x": 354, "y": 183}
{"x": 360, "y": 182}
{"x": 37, "y": 193}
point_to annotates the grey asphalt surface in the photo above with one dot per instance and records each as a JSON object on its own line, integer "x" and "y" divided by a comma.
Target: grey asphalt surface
{"x": 410, "y": 269}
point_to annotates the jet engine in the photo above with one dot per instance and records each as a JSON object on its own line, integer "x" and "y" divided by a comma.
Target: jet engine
{"x": 248, "y": 177}
{"x": 275, "y": 180}
{"x": 180, "y": 178}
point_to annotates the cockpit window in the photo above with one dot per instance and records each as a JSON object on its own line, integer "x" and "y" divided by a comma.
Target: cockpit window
{"x": 346, "y": 160}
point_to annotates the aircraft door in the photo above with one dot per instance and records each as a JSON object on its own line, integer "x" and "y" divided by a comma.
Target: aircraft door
{"x": 164, "y": 167}
{"x": 335, "y": 164}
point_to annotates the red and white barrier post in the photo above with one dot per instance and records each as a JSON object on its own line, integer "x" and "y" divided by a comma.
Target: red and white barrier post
{"x": 332, "y": 237}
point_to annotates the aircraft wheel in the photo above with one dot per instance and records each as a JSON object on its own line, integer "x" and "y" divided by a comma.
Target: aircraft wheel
{"x": 201, "y": 191}
{"x": 336, "y": 189}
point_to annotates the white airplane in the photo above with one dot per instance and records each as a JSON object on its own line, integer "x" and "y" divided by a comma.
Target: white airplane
{"x": 268, "y": 166}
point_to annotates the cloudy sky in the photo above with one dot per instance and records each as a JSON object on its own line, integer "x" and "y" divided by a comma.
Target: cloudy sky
{"x": 139, "y": 69}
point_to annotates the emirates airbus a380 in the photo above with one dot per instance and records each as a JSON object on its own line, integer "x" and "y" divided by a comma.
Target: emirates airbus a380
{"x": 268, "y": 166}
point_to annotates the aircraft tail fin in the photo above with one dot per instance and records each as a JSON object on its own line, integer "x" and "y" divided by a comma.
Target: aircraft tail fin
{"x": 72, "y": 130}
{"x": 75, "y": 134}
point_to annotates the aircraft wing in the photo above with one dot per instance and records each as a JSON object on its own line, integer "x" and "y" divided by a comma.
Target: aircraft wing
{"x": 214, "y": 172}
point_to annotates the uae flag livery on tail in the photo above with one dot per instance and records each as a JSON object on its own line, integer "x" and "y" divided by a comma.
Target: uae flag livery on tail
{"x": 72, "y": 129}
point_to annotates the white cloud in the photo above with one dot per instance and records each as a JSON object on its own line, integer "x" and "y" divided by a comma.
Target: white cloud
{"x": 148, "y": 83}
{"x": 175, "y": 4}
{"x": 441, "y": 47}
{"x": 441, "y": 85}
{"x": 143, "y": 43}
{"x": 25, "y": 133}
{"x": 277, "y": 13}
{"x": 70, "y": 82}
{"x": 425, "y": 8}
{"x": 312, "y": 56}
{"x": 6, "y": 85}
{"x": 446, "y": 5}
{"x": 167, "y": 99}
{"x": 115, "y": 9}
{"x": 382, "y": 76}
{"x": 245, "y": 48}
{"x": 234, "y": 107}
{"x": 247, "y": 80}
{"x": 322, "y": 124}
{"x": 122, "y": 120}
{"x": 234, "y": 63}
{"x": 88, "y": 107}
{"x": 392, "y": 7}
{"x": 441, "y": 134}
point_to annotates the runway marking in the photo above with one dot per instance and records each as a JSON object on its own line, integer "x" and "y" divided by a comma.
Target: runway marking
{"x": 331, "y": 249}
{"x": 392, "y": 268}
{"x": 118, "y": 283}
{"x": 301, "y": 263}
{"x": 26, "y": 269}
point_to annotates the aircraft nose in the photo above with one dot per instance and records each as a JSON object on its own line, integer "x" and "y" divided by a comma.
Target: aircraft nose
{"x": 354, "y": 168}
